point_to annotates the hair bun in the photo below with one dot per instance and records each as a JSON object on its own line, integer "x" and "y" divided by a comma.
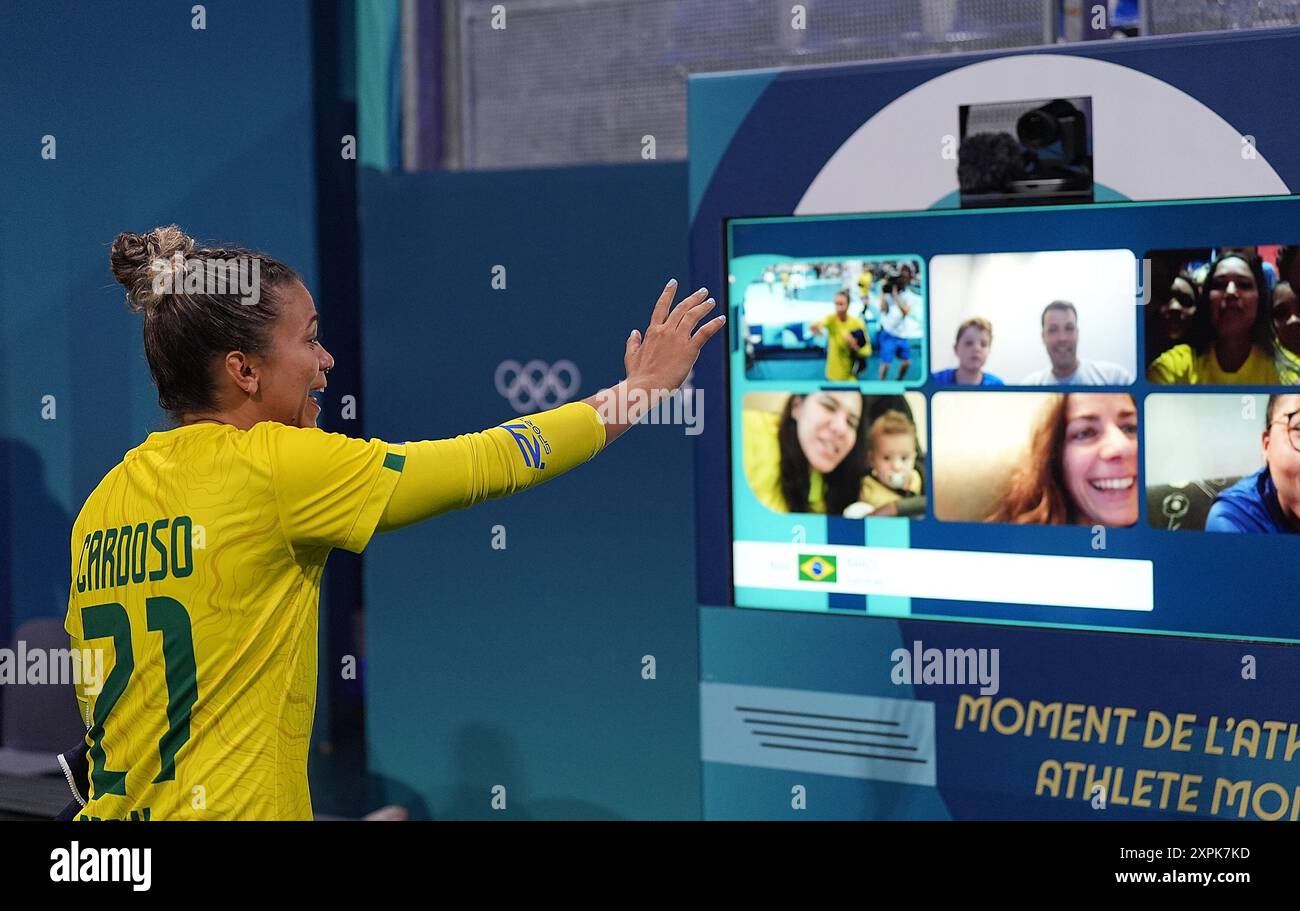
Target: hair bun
{"x": 132, "y": 258}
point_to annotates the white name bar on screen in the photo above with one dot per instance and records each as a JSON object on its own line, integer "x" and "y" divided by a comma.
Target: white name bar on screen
{"x": 1107, "y": 583}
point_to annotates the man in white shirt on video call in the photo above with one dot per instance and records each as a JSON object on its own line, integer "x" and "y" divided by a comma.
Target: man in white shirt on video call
{"x": 1060, "y": 321}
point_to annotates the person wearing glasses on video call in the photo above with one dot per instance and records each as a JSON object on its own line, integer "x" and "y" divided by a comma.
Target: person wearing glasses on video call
{"x": 1267, "y": 501}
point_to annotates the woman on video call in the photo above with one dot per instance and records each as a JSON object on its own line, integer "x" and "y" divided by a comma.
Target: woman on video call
{"x": 811, "y": 456}
{"x": 1169, "y": 316}
{"x": 1286, "y": 315}
{"x": 1081, "y": 466}
{"x": 1230, "y": 340}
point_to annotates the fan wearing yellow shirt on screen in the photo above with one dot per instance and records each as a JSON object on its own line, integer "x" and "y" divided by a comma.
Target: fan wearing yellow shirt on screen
{"x": 842, "y": 347}
{"x": 1231, "y": 336}
{"x": 197, "y": 560}
{"x": 808, "y": 457}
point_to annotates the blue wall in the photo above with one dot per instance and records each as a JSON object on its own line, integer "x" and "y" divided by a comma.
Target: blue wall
{"x": 522, "y": 667}
{"x": 154, "y": 122}
{"x": 519, "y": 667}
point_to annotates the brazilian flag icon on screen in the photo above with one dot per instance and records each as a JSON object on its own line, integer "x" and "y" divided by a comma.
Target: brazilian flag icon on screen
{"x": 816, "y": 568}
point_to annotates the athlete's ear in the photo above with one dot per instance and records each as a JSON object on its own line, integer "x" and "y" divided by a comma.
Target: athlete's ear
{"x": 242, "y": 371}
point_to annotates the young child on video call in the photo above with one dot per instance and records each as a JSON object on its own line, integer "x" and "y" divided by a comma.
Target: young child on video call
{"x": 891, "y": 457}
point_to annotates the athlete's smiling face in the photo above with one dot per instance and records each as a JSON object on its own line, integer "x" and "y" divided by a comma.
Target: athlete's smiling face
{"x": 296, "y": 364}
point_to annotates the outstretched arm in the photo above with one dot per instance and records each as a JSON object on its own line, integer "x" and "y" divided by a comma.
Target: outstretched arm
{"x": 442, "y": 475}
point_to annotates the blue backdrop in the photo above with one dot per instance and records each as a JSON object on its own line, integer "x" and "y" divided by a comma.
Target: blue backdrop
{"x": 522, "y": 667}
{"x": 153, "y": 122}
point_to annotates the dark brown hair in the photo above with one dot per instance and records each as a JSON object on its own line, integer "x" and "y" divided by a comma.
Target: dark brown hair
{"x": 185, "y": 333}
{"x": 841, "y": 486}
{"x": 1057, "y": 305}
{"x": 1201, "y": 335}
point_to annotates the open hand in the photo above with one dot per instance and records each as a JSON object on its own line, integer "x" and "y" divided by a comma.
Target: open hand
{"x": 662, "y": 358}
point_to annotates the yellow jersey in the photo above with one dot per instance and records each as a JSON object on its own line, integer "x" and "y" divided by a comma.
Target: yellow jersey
{"x": 839, "y": 356}
{"x": 196, "y": 568}
{"x": 1182, "y": 365}
{"x": 1288, "y": 366}
{"x": 197, "y": 565}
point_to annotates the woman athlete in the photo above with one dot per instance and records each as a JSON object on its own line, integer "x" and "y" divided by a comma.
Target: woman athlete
{"x": 197, "y": 561}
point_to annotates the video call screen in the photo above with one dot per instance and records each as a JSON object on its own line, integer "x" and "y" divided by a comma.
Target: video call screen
{"x": 1081, "y": 416}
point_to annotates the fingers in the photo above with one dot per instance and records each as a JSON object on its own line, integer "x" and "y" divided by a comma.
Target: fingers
{"x": 708, "y": 330}
{"x": 665, "y": 300}
{"x": 633, "y": 343}
{"x": 683, "y": 309}
{"x": 686, "y": 314}
{"x": 693, "y": 314}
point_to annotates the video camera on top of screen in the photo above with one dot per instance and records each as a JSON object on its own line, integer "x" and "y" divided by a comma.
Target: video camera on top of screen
{"x": 1025, "y": 153}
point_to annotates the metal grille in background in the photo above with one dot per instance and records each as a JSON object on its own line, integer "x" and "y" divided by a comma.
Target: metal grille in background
{"x": 1171, "y": 17}
{"x": 582, "y": 81}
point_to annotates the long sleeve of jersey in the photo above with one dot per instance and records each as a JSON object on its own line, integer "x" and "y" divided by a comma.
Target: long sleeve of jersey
{"x": 442, "y": 475}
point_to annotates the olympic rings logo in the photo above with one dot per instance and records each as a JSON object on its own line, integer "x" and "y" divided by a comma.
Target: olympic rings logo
{"x": 536, "y": 386}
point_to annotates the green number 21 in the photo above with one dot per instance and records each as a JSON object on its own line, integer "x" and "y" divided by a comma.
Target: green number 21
{"x": 163, "y": 615}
